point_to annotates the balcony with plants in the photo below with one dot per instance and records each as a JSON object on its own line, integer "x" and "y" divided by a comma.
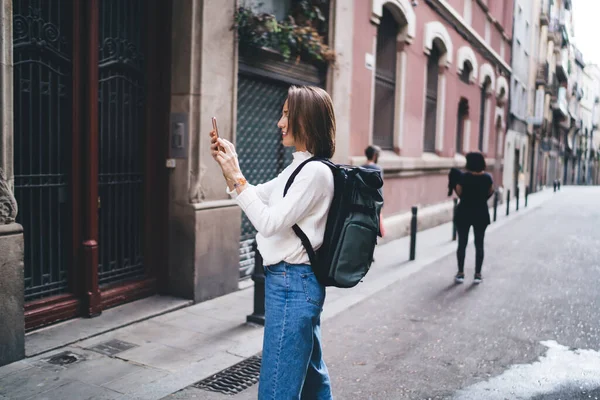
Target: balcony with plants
{"x": 299, "y": 37}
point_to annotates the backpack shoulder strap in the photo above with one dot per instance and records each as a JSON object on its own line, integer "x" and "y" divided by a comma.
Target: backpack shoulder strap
{"x": 297, "y": 171}
{"x": 312, "y": 255}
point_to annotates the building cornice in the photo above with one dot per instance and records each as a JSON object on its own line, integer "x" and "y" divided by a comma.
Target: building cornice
{"x": 453, "y": 18}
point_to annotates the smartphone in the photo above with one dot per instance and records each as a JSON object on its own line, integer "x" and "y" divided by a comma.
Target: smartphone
{"x": 215, "y": 128}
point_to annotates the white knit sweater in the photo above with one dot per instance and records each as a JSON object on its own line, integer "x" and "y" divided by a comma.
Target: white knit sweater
{"x": 307, "y": 204}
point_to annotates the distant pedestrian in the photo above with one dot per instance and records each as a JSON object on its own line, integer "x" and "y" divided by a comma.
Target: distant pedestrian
{"x": 372, "y": 153}
{"x": 292, "y": 360}
{"x": 474, "y": 189}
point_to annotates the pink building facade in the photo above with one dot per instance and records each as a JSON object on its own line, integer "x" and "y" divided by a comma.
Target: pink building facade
{"x": 429, "y": 84}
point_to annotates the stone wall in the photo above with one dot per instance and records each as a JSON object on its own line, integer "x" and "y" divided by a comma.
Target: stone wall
{"x": 12, "y": 326}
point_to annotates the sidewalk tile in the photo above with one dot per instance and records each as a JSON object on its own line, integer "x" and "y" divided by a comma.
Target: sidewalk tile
{"x": 196, "y": 323}
{"x": 159, "y": 356}
{"x": 132, "y": 382}
{"x": 101, "y": 371}
{"x": 185, "y": 377}
{"x": 14, "y": 367}
{"x": 29, "y": 382}
{"x": 79, "y": 391}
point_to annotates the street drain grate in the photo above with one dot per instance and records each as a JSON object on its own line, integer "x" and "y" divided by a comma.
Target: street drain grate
{"x": 64, "y": 358}
{"x": 234, "y": 379}
{"x": 112, "y": 347}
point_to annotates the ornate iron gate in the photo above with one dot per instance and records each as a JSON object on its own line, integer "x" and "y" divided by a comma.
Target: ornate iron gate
{"x": 42, "y": 42}
{"x": 122, "y": 104}
{"x": 261, "y": 153}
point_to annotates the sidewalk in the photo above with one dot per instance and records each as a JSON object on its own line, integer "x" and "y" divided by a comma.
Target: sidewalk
{"x": 166, "y": 353}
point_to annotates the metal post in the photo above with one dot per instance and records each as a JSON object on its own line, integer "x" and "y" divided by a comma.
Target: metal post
{"x": 413, "y": 234}
{"x": 517, "y": 197}
{"x": 507, "y": 202}
{"x": 454, "y": 220}
{"x": 258, "y": 276}
{"x": 526, "y": 195}
{"x": 495, "y": 204}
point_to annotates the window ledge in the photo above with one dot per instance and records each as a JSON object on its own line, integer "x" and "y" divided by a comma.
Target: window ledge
{"x": 393, "y": 163}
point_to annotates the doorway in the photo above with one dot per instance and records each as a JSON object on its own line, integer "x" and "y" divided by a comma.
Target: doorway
{"x": 90, "y": 119}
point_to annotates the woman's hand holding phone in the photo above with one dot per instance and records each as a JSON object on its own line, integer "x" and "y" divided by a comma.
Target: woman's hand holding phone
{"x": 224, "y": 153}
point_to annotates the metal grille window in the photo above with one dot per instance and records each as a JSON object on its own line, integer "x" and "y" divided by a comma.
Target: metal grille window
{"x": 431, "y": 101}
{"x": 258, "y": 143}
{"x": 42, "y": 42}
{"x": 122, "y": 101}
{"x": 385, "y": 82}
{"x": 482, "y": 116}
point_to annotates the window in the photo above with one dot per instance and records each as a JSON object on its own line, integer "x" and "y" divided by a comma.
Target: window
{"x": 431, "y": 99}
{"x": 482, "y": 117}
{"x": 463, "y": 115}
{"x": 385, "y": 82}
{"x": 468, "y": 12}
{"x": 467, "y": 70}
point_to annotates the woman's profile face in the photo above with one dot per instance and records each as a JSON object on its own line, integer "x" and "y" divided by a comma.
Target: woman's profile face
{"x": 287, "y": 138}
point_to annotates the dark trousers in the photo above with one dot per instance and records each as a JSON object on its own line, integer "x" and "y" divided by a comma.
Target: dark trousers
{"x": 462, "y": 229}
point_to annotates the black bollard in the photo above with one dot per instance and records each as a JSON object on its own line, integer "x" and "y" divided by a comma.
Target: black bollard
{"x": 258, "y": 276}
{"x": 454, "y": 220}
{"x": 555, "y": 186}
{"x": 558, "y": 183}
{"x": 413, "y": 234}
{"x": 507, "y": 202}
{"x": 517, "y": 190}
{"x": 526, "y": 195}
{"x": 495, "y": 204}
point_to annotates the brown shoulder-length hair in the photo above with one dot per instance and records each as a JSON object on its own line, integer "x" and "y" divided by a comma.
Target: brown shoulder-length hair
{"x": 311, "y": 119}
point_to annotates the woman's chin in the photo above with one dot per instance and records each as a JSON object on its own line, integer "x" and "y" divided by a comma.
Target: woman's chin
{"x": 287, "y": 142}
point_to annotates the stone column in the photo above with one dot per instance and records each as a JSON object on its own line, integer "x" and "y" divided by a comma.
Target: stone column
{"x": 6, "y": 91}
{"x": 12, "y": 327}
{"x": 204, "y": 223}
{"x": 340, "y": 76}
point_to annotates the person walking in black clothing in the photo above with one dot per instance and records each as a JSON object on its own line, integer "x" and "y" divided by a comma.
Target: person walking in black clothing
{"x": 474, "y": 189}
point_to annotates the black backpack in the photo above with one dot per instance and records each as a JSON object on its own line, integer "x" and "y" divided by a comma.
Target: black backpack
{"x": 352, "y": 225}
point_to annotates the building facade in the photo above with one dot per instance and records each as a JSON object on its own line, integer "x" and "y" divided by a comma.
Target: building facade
{"x": 106, "y": 109}
{"x": 429, "y": 84}
{"x": 552, "y": 121}
{"x": 524, "y": 56}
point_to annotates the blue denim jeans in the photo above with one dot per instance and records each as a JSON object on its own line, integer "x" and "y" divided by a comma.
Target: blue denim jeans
{"x": 292, "y": 360}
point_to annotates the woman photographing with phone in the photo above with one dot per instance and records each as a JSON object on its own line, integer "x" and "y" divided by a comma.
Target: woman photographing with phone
{"x": 292, "y": 362}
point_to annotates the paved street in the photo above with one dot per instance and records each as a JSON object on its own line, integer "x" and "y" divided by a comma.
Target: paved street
{"x": 530, "y": 331}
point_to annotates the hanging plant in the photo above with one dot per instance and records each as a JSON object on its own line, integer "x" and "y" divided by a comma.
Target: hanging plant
{"x": 299, "y": 37}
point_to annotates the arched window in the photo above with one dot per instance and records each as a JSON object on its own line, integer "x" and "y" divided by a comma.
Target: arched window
{"x": 482, "y": 110}
{"x": 385, "y": 81}
{"x": 433, "y": 71}
{"x": 463, "y": 115}
{"x": 467, "y": 70}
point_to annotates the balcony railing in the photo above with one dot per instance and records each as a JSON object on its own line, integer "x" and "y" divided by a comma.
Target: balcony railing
{"x": 555, "y": 32}
{"x": 543, "y": 71}
{"x": 560, "y": 103}
{"x": 562, "y": 65}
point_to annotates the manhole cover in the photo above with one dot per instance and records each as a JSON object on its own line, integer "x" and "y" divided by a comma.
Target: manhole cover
{"x": 112, "y": 347}
{"x": 64, "y": 358}
{"x": 233, "y": 379}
